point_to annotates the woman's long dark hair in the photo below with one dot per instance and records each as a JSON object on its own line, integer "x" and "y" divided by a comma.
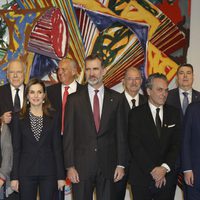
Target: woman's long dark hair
{"x": 46, "y": 106}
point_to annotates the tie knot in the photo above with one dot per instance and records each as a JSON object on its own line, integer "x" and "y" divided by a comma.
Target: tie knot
{"x": 96, "y": 91}
{"x": 158, "y": 110}
{"x": 133, "y": 102}
{"x": 66, "y": 88}
{"x": 17, "y": 90}
{"x": 185, "y": 94}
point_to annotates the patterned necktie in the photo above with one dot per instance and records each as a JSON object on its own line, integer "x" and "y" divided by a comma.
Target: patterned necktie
{"x": 185, "y": 102}
{"x": 158, "y": 122}
{"x": 66, "y": 93}
{"x": 133, "y": 103}
{"x": 96, "y": 111}
{"x": 17, "y": 101}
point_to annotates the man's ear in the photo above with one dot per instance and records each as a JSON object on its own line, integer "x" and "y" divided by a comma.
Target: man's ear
{"x": 104, "y": 71}
{"x": 148, "y": 91}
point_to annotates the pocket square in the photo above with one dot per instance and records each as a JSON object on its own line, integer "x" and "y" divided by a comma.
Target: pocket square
{"x": 170, "y": 126}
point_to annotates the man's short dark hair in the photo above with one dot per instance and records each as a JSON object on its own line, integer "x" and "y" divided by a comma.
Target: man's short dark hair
{"x": 185, "y": 65}
{"x": 149, "y": 81}
{"x": 94, "y": 57}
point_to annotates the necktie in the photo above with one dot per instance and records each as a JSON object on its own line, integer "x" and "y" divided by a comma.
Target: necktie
{"x": 133, "y": 103}
{"x": 96, "y": 111}
{"x": 158, "y": 122}
{"x": 17, "y": 101}
{"x": 185, "y": 102}
{"x": 66, "y": 93}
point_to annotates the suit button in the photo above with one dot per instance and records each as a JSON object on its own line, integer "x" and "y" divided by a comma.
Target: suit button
{"x": 95, "y": 149}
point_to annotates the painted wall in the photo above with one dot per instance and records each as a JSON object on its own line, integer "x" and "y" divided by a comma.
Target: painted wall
{"x": 194, "y": 48}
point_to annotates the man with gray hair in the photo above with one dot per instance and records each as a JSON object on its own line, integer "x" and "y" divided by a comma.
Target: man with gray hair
{"x": 12, "y": 93}
{"x": 131, "y": 98}
{"x": 154, "y": 140}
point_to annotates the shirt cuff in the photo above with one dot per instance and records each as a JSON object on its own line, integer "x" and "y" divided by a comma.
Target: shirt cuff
{"x": 120, "y": 166}
{"x": 166, "y": 167}
{"x": 189, "y": 170}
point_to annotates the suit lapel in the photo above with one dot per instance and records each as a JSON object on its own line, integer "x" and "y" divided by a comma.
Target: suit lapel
{"x": 152, "y": 126}
{"x": 8, "y": 96}
{"x": 195, "y": 96}
{"x": 105, "y": 109}
{"x": 27, "y": 130}
{"x": 86, "y": 105}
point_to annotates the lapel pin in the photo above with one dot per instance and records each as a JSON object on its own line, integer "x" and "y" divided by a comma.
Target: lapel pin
{"x": 165, "y": 125}
{"x": 111, "y": 100}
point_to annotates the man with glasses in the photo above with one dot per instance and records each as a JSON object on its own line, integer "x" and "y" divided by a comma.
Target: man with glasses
{"x": 12, "y": 93}
{"x": 131, "y": 98}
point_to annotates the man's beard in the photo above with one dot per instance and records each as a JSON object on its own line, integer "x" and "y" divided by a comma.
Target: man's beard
{"x": 94, "y": 81}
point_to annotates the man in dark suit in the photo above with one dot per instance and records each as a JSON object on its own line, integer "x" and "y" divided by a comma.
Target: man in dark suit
{"x": 8, "y": 92}
{"x": 180, "y": 98}
{"x": 154, "y": 140}
{"x": 12, "y": 95}
{"x": 191, "y": 151}
{"x": 131, "y": 98}
{"x": 94, "y": 141}
{"x": 184, "y": 92}
{"x": 67, "y": 73}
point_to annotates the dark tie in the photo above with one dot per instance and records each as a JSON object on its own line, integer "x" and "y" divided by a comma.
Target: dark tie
{"x": 133, "y": 103}
{"x": 96, "y": 111}
{"x": 185, "y": 102}
{"x": 17, "y": 101}
{"x": 66, "y": 93}
{"x": 158, "y": 122}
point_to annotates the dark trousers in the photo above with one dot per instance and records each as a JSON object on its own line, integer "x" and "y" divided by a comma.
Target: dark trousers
{"x": 120, "y": 187}
{"x": 29, "y": 185}
{"x": 152, "y": 193}
{"x": 191, "y": 193}
{"x": 85, "y": 188}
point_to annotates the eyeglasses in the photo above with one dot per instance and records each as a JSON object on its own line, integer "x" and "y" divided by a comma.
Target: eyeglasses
{"x": 133, "y": 79}
{"x": 15, "y": 72}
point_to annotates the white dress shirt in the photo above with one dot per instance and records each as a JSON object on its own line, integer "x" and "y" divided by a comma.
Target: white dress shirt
{"x": 72, "y": 88}
{"x": 100, "y": 95}
{"x": 20, "y": 93}
{"x": 182, "y": 96}
{"x": 130, "y": 98}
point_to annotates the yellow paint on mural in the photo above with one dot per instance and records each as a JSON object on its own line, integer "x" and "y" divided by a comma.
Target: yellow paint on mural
{"x": 135, "y": 12}
{"x": 157, "y": 61}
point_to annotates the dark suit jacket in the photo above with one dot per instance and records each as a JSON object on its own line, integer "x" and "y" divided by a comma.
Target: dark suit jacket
{"x": 86, "y": 149}
{"x": 142, "y": 100}
{"x": 191, "y": 142}
{"x": 55, "y": 97}
{"x": 6, "y": 102}
{"x": 173, "y": 99}
{"x": 32, "y": 158}
{"x": 147, "y": 149}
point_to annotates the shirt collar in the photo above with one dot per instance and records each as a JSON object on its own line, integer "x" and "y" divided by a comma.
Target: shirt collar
{"x": 153, "y": 108}
{"x": 92, "y": 89}
{"x": 13, "y": 89}
{"x": 181, "y": 91}
{"x": 71, "y": 85}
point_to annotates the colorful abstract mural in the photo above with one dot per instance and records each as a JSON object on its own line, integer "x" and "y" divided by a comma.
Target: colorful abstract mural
{"x": 151, "y": 35}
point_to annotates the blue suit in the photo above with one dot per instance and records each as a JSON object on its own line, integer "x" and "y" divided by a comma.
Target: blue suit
{"x": 190, "y": 148}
